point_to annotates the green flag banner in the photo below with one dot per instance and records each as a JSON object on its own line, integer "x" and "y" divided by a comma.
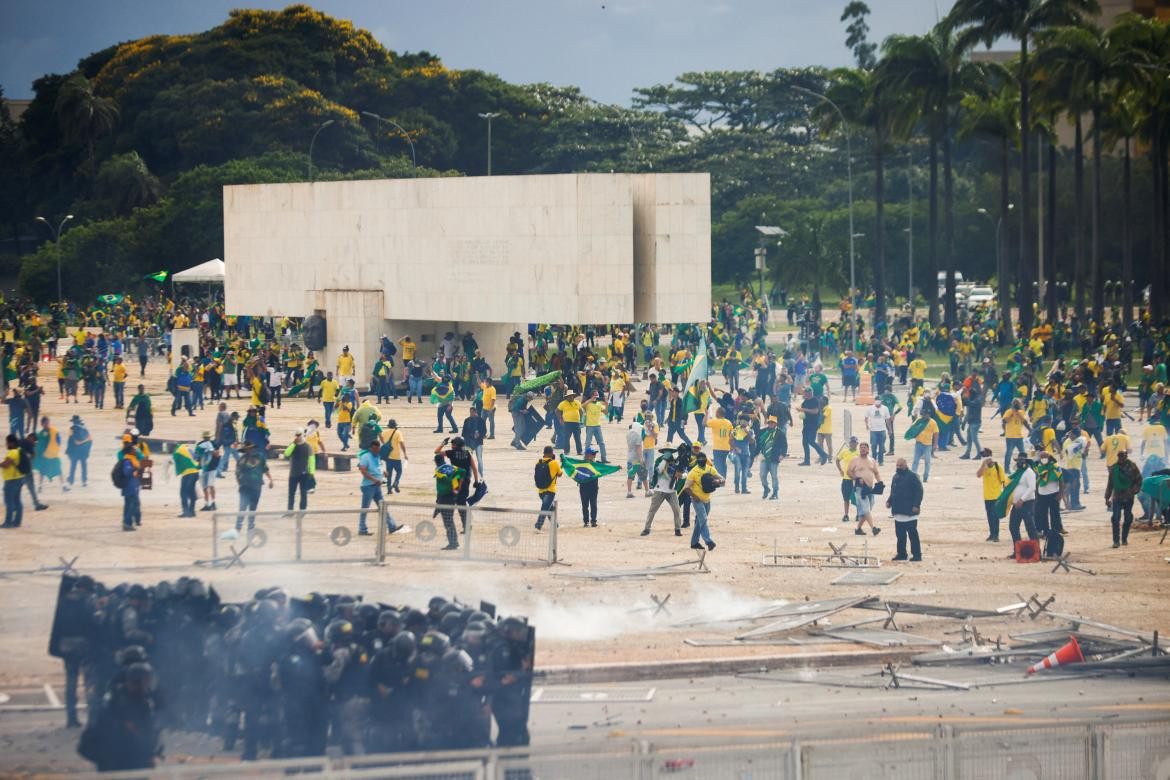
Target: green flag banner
{"x": 538, "y": 382}
{"x": 1002, "y": 504}
{"x": 916, "y": 427}
{"x": 157, "y": 276}
{"x": 586, "y": 471}
{"x": 691, "y": 396}
{"x": 110, "y": 299}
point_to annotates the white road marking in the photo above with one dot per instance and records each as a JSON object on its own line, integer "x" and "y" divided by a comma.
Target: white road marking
{"x": 51, "y": 695}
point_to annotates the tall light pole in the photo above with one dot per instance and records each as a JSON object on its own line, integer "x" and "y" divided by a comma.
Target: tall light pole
{"x": 489, "y": 117}
{"x": 372, "y": 115}
{"x": 849, "y": 169}
{"x": 999, "y": 269}
{"x": 324, "y": 124}
{"x": 910, "y": 232}
{"x": 57, "y": 248}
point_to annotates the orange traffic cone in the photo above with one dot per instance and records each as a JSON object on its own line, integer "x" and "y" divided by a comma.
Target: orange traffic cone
{"x": 1069, "y": 654}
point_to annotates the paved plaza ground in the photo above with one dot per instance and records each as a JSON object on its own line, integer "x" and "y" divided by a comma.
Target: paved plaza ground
{"x": 578, "y": 621}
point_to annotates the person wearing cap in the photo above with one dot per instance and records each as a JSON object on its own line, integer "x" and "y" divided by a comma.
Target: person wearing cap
{"x": 345, "y": 365}
{"x": 393, "y": 452}
{"x": 301, "y": 465}
{"x": 207, "y": 455}
{"x": 251, "y": 471}
{"x": 547, "y": 471}
{"x": 663, "y": 481}
{"x": 568, "y": 412}
{"x": 768, "y": 442}
{"x": 1022, "y": 500}
{"x": 77, "y": 449}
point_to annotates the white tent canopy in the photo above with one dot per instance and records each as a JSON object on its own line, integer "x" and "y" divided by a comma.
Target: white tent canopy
{"x": 211, "y": 272}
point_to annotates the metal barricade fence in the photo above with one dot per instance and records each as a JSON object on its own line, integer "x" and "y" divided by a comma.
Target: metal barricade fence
{"x": 1137, "y": 749}
{"x": 479, "y": 533}
{"x": 308, "y": 536}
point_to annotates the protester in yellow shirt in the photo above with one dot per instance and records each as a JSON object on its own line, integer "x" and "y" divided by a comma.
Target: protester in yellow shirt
{"x": 847, "y": 453}
{"x": 721, "y": 429}
{"x": 569, "y": 413}
{"x": 594, "y": 410}
{"x": 825, "y": 429}
{"x": 994, "y": 481}
{"x": 1113, "y": 444}
{"x": 488, "y": 401}
{"x": 701, "y": 499}
{"x": 1113, "y": 402}
{"x": 327, "y": 395}
{"x": 547, "y": 471}
{"x": 118, "y": 375}
{"x": 345, "y": 364}
{"x": 1014, "y": 423}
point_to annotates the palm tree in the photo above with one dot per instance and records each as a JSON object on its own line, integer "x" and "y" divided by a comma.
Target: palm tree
{"x": 126, "y": 182}
{"x": 1096, "y": 60}
{"x": 865, "y": 102}
{"x": 934, "y": 73}
{"x": 1149, "y": 43}
{"x": 993, "y": 111}
{"x": 985, "y": 21}
{"x": 1121, "y": 123}
{"x": 1060, "y": 90}
{"x": 84, "y": 116}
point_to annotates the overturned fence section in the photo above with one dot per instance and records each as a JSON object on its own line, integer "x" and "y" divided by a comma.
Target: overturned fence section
{"x": 475, "y": 533}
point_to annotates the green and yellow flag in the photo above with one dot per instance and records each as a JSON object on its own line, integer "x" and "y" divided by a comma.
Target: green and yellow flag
{"x": 157, "y": 276}
{"x": 586, "y": 470}
{"x": 692, "y": 395}
{"x": 110, "y": 300}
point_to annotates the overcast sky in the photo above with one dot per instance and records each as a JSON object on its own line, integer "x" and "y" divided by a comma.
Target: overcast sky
{"x": 606, "y": 47}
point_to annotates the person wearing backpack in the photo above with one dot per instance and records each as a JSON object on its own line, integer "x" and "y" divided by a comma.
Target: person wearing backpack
{"x": 545, "y": 477}
{"x": 13, "y": 483}
{"x": 127, "y": 478}
{"x": 702, "y": 481}
{"x": 662, "y": 484}
{"x": 449, "y": 482}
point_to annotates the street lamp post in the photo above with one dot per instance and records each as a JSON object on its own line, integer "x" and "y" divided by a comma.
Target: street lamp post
{"x": 910, "y": 232}
{"x": 766, "y": 232}
{"x": 372, "y": 115}
{"x": 999, "y": 269}
{"x": 324, "y": 124}
{"x": 489, "y": 117}
{"x": 57, "y": 248}
{"x": 849, "y": 169}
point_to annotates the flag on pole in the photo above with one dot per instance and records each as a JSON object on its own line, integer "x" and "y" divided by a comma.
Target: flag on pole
{"x": 586, "y": 470}
{"x": 692, "y": 393}
{"x": 110, "y": 299}
{"x": 157, "y": 276}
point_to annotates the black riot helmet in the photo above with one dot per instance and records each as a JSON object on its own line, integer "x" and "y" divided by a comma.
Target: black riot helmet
{"x": 389, "y": 622}
{"x": 432, "y": 646}
{"x": 339, "y": 631}
{"x": 402, "y": 646}
{"x": 301, "y": 632}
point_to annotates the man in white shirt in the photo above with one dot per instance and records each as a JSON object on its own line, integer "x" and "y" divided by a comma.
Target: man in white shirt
{"x": 662, "y": 485}
{"x": 1022, "y": 501}
{"x": 876, "y": 422}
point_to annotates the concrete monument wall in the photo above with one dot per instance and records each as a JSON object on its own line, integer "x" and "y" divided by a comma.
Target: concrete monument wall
{"x": 486, "y": 254}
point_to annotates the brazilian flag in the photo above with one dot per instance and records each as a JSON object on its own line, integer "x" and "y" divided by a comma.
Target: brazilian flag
{"x": 445, "y": 397}
{"x": 157, "y": 276}
{"x": 111, "y": 300}
{"x": 1002, "y": 504}
{"x": 692, "y": 394}
{"x": 916, "y": 428}
{"x": 302, "y": 385}
{"x": 585, "y": 470}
